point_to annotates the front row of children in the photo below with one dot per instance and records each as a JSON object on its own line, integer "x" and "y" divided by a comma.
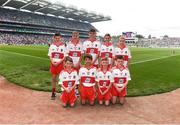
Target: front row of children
{"x": 104, "y": 83}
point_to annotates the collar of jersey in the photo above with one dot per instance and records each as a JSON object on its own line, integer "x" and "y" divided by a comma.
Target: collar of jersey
{"x": 59, "y": 44}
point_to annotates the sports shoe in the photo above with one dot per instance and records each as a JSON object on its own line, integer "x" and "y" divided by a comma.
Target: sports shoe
{"x": 53, "y": 96}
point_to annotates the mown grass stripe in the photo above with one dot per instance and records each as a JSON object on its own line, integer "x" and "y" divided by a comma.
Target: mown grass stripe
{"x": 130, "y": 63}
{"x": 153, "y": 59}
{"x": 25, "y": 55}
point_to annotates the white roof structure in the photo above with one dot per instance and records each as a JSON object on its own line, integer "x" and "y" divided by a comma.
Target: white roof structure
{"x": 56, "y": 9}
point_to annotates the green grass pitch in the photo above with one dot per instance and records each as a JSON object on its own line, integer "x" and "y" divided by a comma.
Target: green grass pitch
{"x": 153, "y": 70}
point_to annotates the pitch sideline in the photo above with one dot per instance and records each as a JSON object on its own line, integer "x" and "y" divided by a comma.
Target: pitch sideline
{"x": 164, "y": 57}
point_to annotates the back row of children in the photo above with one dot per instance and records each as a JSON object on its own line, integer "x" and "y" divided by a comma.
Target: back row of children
{"x": 105, "y": 71}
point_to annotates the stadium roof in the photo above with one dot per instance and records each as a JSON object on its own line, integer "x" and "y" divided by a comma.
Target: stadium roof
{"x": 54, "y": 9}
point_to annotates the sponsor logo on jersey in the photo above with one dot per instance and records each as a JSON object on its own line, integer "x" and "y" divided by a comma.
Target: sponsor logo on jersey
{"x": 107, "y": 55}
{"x": 104, "y": 83}
{"x": 69, "y": 84}
{"x": 56, "y": 56}
{"x": 75, "y": 54}
{"x": 91, "y": 50}
{"x": 121, "y": 81}
{"x": 87, "y": 80}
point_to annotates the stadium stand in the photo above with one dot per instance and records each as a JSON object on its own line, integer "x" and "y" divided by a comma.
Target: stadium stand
{"x": 35, "y": 21}
{"x": 171, "y": 42}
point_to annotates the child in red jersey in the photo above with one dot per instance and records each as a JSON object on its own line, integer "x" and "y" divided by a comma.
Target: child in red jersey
{"x": 107, "y": 49}
{"x": 123, "y": 50}
{"x": 121, "y": 77}
{"x": 104, "y": 81}
{"x": 57, "y": 52}
{"x": 68, "y": 79}
{"x": 87, "y": 76}
{"x": 92, "y": 46}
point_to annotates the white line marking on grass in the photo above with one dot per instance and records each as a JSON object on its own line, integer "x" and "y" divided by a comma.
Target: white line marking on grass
{"x": 26, "y": 55}
{"x": 130, "y": 63}
{"x": 153, "y": 59}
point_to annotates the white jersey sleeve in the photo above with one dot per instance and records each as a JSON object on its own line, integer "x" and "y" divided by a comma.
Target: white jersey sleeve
{"x": 111, "y": 78}
{"x": 60, "y": 79}
{"x": 67, "y": 48}
{"x": 77, "y": 79}
{"x": 97, "y": 77}
{"x": 128, "y": 75}
{"x": 84, "y": 47}
{"x": 66, "y": 51}
{"x": 129, "y": 54}
{"x": 49, "y": 51}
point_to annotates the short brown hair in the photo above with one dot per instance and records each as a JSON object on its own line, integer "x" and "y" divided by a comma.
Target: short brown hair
{"x": 119, "y": 57}
{"x": 104, "y": 59}
{"x": 92, "y": 30}
{"x": 107, "y": 34}
{"x": 57, "y": 34}
{"x": 89, "y": 56}
{"x": 67, "y": 58}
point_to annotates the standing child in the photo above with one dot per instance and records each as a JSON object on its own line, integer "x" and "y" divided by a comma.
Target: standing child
{"x": 87, "y": 76}
{"x": 107, "y": 49}
{"x": 74, "y": 50}
{"x": 92, "y": 47}
{"x": 68, "y": 80}
{"x": 123, "y": 50}
{"x": 121, "y": 77}
{"x": 57, "y": 52}
{"x": 104, "y": 80}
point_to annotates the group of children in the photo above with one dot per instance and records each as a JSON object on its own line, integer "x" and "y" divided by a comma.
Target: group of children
{"x": 105, "y": 73}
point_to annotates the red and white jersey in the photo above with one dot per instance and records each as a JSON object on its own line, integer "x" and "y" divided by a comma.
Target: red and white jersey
{"x": 107, "y": 50}
{"x": 57, "y": 53}
{"x": 74, "y": 51}
{"x": 87, "y": 76}
{"x": 123, "y": 52}
{"x": 104, "y": 79}
{"x": 120, "y": 76}
{"x": 68, "y": 79}
{"x": 92, "y": 48}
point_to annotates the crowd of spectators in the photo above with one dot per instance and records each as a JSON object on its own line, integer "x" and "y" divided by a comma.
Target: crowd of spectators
{"x": 17, "y": 27}
{"x": 24, "y": 39}
{"x": 173, "y": 42}
{"x": 30, "y": 18}
{"x": 18, "y": 38}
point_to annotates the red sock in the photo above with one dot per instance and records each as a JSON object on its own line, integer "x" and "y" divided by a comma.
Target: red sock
{"x": 53, "y": 90}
